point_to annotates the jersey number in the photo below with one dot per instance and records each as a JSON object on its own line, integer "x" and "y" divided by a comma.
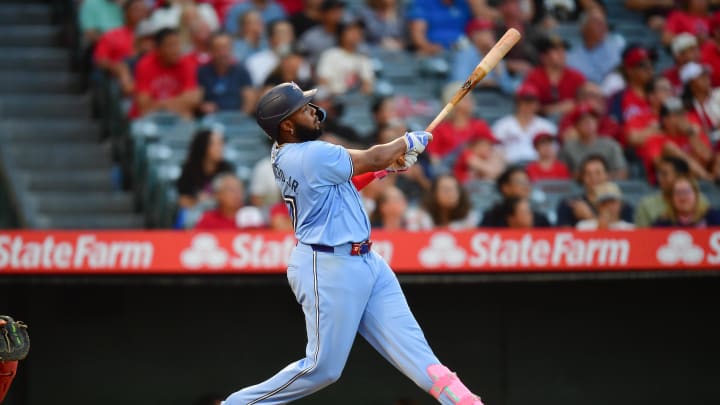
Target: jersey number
{"x": 292, "y": 209}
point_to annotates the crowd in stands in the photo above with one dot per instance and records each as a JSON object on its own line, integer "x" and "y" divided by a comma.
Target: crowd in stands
{"x": 592, "y": 110}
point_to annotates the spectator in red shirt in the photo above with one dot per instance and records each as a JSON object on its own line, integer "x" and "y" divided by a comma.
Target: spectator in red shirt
{"x": 591, "y": 94}
{"x": 547, "y": 167}
{"x": 165, "y": 80}
{"x": 638, "y": 72}
{"x": 230, "y": 213}
{"x": 702, "y": 101}
{"x": 556, "y": 83}
{"x": 480, "y": 160}
{"x": 684, "y": 49}
{"x": 694, "y": 18}
{"x": 118, "y": 44}
{"x": 710, "y": 53}
{"x": 280, "y": 217}
{"x": 460, "y": 127}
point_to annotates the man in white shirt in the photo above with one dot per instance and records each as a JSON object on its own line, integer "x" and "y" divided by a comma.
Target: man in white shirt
{"x": 262, "y": 63}
{"x": 343, "y": 68}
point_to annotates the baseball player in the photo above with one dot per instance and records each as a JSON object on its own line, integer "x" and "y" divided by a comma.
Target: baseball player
{"x": 343, "y": 286}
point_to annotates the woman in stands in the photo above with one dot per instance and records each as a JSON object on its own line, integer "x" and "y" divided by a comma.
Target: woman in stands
{"x": 686, "y": 208}
{"x": 204, "y": 161}
{"x": 447, "y": 206}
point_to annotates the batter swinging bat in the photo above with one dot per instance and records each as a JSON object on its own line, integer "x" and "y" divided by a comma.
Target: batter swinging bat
{"x": 498, "y": 51}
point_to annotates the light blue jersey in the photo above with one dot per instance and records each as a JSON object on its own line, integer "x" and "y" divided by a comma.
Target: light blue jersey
{"x": 314, "y": 178}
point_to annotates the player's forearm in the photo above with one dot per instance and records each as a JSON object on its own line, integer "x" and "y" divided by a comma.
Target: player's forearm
{"x": 377, "y": 157}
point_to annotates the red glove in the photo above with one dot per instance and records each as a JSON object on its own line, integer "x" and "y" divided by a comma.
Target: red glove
{"x": 8, "y": 369}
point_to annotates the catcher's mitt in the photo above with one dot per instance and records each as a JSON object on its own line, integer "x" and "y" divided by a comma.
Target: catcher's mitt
{"x": 14, "y": 340}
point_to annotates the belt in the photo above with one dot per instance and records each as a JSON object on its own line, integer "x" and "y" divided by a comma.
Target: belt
{"x": 354, "y": 249}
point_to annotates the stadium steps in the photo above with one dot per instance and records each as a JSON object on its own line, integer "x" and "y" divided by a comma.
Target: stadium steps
{"x": 60, "y": 173}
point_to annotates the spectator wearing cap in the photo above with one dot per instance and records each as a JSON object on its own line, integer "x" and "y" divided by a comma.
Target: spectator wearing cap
{"x": 523, "y": 56}
{"x": 307, "y": 18}
{"x": 516, "y": 213}
{"x": 556, "y": 83}
{"x": 118, "y": 44}
{"x": 686, "y": 209}
{"x": 268, "y": 11}
{"x": 225, "y": 84}
{"x": 593, "y": 172}
{"x": 589, "y": 142}
{"x": 481, "y": 34}
{"x": 203, "y": 163}
{"x": 547, "y": 166}
{"x": 679, "y": 136}
{"x": 480, "y": 160}
{"x": 599, "y": 52}
{"x": 591, "y": 94}
{"x": 684, "y": 49}
{"x": 517, "y": 130}
{"x": 436, "y": 25}
{"x": 693, "y": 17}
{"x": 165, "y": 81}
{"x": 97, "y": 17}
{"x": 637, "y": 69}
{"x": 280, "y": 42}
{"x": 653, "y": 206}
{"x": 700, "y": 98}
{"x": 231, "y": 212}
{"x": 710, "y": 51}
{"x": 324, "y": 35}
{"x": 513, "y": 182}
{"x": 384, "y": 24}
{"x": 460, "y": 128}
{"x": 251, "y": 37}
{"x": 343, "y": 68}
{"x": 608, "y": 205}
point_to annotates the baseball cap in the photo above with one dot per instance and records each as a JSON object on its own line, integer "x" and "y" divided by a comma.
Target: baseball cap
{"x": 547, "y": 43}
{"x": 478, "y": 24}
{"x": 145, "y": 28}
{"x": 608, "y": 191}
{"x": 682, "y": 42}
{"x": 671, "y": 105}
{"x": 691, "y": 71}
{"x": 484, "y": 136}
{"x": 635, "y": 56}
{"x": 527, "y": 91}
{"x": 542, "y": 137}
{"x": 580, "y": 111}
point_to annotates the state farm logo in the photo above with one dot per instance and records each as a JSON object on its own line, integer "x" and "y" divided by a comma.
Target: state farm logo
{"x": 204, "y": 251}
{"x": 680, "y": 248}
{"x": 443, "y": 249}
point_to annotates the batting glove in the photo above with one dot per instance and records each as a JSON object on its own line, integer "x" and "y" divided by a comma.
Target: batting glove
{"x": 410, "y": 159}
{"x": 417, "y": 141}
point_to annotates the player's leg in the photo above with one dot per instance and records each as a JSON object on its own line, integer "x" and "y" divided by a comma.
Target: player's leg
{"x": 333, "y": 291}
{"x": 390, "y": 327}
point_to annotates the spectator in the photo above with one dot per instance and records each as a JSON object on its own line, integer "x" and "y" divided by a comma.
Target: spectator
{"x": 653, "y": 206}
{"x": 307, "y": 18}
{"x": 550, "y": 12}
{"x": 516, "y": 213}
{"x": 118, "y": 44}
{"x": 267, "y": 12}
{"x": 523, "y": 56}
{"x": 334, "y": 130}
{"x": 415, "y": 182}
{"x": 460, "y": 128}
{"x": 593, "y": 172}
{"x": 324, "y": 35}
{"x": 589, "y": 142}
{"x": 197, "y": 46}
{"x": 280, "y": 218}
{"x": 710, "y": 52}
{"x": 599, "y": 53}
{"x": 556, "y": 83}
{"x": 446, "y": 206}
{"x": 343, "y": 68}
{"x": 480, "y": 160}
{"x": 230, "y": 213}
{"x": 181, "y": 14}
{"x": 655, "y": 11}
{"x": 686, "y": 209}
{"x": 165, "y": 80}
{"x": 637, "y": 71}
{"x": 225, "y": 83}
{"x": 512, "y": 183}
{"x": 693, "y": 18}
{"x": 97, "y": 17}
{"x": 391, "y": 210}
{"x": 384, "y": 115}
{"x": 685, "y": 50}
{"x": 222, "y": 7}
{"x": 204, "y": 162}
{"x": 384, "y": 24}
{"x": 516, "y": 131}
{"x": 262, "y": 63}
{"x": 251, "y": 37}
{"x": 144, "y": 43}
{"x": 701, "y": 99}
{"x": 547, "y": 166}
{"x": 608, "y": 204}
{"x": 264, "y": 192}
{"x": 482, "y": 38}
{"x": 292, "y": 68}
{"x": 591, "y": 94}
{"x": 435, "y": 25}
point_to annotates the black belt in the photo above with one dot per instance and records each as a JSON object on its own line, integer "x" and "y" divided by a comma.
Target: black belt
{"x": 356, "y": 249}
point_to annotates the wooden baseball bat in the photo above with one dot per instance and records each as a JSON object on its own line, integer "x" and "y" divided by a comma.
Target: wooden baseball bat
{"x": 498, "y": 51}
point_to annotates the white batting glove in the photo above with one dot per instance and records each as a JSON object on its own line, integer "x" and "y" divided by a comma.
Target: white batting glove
{"x": 410, "y": 159}
{"x": 417, "y": 141}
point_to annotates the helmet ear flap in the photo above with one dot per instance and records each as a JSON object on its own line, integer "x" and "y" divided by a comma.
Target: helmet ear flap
{"x": 320, "y": 112}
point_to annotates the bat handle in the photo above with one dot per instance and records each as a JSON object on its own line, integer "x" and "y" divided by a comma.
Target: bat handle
{"x": 440, "y": 117}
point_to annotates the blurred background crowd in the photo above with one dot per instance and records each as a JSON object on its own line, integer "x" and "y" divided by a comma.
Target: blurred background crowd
{"x": 605, "y": 116}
